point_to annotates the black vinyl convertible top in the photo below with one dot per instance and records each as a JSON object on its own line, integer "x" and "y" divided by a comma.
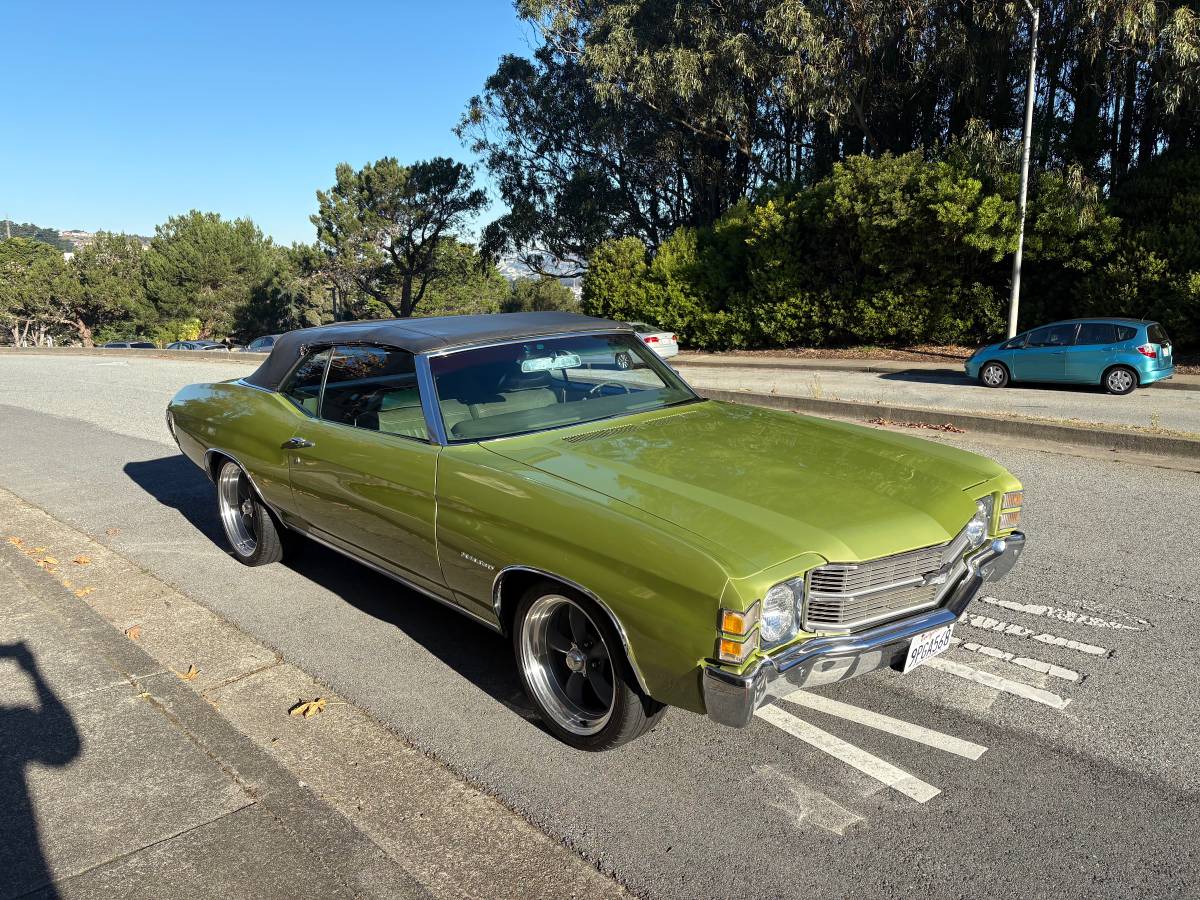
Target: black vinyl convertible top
{"x": 422, "y": 336}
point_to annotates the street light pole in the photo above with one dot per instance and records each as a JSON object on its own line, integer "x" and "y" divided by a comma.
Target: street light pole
{"x": 1014, "y": 299}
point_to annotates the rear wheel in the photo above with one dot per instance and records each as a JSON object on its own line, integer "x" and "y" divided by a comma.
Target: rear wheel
{"x": 993, "y": 375}
{"x": 252, "y": 533}
{"x": 575, "y": 672}
{"x": 1120, "y": 380}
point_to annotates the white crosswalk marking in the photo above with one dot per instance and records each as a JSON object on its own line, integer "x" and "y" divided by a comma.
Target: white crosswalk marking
{"x": 1065, "y": 615}
{"x": 1016, "y": 688}
{"x": 986, "y": 623}
{"x": 880, "y": 722}
{"x": 1034, "y": 665}
{"x": 853, "y": 756}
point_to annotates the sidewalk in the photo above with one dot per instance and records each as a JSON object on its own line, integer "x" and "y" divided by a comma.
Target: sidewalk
{"x": 952, "y": 369}
{"x": 116, "y": 779}
{"x": 119, "y": 777}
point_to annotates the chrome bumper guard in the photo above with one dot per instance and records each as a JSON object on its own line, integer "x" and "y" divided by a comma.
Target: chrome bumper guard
{"x": 731, "y": 699}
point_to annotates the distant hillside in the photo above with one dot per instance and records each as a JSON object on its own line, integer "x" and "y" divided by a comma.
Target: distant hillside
{"x": 66, "y": 241}
{"x": 49, "y": 236}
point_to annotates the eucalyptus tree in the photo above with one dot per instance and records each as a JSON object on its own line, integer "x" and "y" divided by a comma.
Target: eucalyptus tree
{"x": 382, "y": 226}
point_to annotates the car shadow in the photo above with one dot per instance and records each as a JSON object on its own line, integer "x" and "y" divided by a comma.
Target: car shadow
{"x": 474, "y": 651}
{"x": 938, "y": 376}
{"x": 45, "y": 736}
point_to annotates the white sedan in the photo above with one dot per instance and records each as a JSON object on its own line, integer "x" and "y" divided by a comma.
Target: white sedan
{"x": 661, "y": 342}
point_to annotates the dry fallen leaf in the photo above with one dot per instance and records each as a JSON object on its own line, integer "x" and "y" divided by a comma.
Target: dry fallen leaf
{"x": 48, "y": 561}
{"x": 133, "y": 632}
{"x": 190, "y": 674}
{"x": 83, "y": 592}
{"x": 112, "y": 532}
{"x": 81, "y": 560}
{"x": 15, "y": 541}
{"x": 308, "y": 708}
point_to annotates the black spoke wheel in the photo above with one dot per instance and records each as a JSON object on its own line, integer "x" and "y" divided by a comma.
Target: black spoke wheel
{"x": 574, "y": 669}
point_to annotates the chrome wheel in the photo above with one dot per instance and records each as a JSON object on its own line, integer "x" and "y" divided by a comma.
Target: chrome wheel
{"x": 993, "y": 375}
{"x": 567, "y": 664}
{"x": 239, "y": 512}
{"x": 624, "y": 361}
{"x": 1120, "y": 381}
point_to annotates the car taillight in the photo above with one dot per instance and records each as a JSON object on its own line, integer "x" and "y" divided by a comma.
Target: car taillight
{"x": 672, "y": 338}
{"x": 1148, "y": 350}
{"x": 651, "y": 340}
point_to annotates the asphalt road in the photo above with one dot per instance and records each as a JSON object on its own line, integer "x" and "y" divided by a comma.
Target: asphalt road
{"x": 1151, "y": 407}
{"x": 1068, "y": 767}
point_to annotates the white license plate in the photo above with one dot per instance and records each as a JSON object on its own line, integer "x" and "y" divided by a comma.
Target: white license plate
{"x": 927, "y": 646}
{"x": 1166, "y": 351}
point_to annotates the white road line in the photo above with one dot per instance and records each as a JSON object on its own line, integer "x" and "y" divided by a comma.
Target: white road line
{"x": 1065, "y": 615}
{"x": 880, "y": 722}
{"x": 1016, "y": 688}
{"x": 1000, "y": 627}
{"x": 1035, "y": 665}
{"x": 857, "y": 758}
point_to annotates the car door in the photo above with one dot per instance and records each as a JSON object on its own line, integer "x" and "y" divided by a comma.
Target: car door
{"x": 1091, "y": 353}
{"x": 362, "y": 465}
{"x": 1045, "y": 355}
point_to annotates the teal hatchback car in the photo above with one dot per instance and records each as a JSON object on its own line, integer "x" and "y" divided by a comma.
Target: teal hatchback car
{"x": 1120, "y": 354}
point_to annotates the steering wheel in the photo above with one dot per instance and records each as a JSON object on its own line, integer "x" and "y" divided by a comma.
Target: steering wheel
{"x": 596, "y": 388}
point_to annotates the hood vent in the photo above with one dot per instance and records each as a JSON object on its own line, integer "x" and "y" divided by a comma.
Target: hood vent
{"x": 615, "y": 430}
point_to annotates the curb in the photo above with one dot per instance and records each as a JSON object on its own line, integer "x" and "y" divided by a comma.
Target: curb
{"x": 249, "y": 357}
{"x": 882, "y": 367}
{"x": 1109, "y": 439}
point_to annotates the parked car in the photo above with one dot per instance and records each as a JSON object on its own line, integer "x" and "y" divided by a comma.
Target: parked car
{"x": 129, "y": 345}
{"x": 1120, "y": 354}
{"x": 661, "y": 342}
{"x": 197, "y": 345}
{"x": 261, "y": 344}
{"x": 639, "y": 545}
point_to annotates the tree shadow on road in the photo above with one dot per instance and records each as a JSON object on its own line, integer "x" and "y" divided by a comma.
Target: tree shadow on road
{"x": 477, "y": 653}
{"x": 47, "y": 736}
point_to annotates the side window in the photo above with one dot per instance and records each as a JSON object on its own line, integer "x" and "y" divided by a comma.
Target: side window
{"x": 304, "y": 387}
{"x": 1091, "y": 333}
{"x": 1016, "y": 343}
{"x": 1125, "y": 333}
{"x": 374, "y": 388}
{"x": 1053, "y": 336}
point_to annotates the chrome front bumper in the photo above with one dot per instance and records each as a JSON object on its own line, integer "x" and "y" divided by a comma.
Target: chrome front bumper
{"x": 731, "y": 699}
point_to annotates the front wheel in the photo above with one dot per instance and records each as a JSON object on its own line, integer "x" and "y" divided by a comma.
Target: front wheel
{"x": 1120, "y": 380}
{"x": 993, "y": 375}
{"x": 574, "y": 670}
{"x": 249, "y": 527}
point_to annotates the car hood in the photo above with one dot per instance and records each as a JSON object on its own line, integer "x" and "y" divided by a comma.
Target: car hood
{"x": 769, "y": 485}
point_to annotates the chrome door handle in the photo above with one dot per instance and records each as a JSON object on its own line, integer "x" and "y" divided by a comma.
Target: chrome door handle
{"x": 297, "y": 443}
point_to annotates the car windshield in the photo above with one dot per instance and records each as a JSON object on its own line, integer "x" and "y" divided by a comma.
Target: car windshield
{"x": 533, "y": 385}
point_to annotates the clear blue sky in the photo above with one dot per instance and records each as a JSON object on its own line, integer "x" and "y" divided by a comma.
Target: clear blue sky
{"x": 117, "y": 115}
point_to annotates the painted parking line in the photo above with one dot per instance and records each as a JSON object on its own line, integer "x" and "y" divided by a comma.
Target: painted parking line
{"x": 917, "y": 733}
{"x": 1008, "y": 686}
{"x": 853, "y": 756}
{"x": 1065, "y": 615}
{"x": 986, "y": 623}
{"x": 1025, "y": 662}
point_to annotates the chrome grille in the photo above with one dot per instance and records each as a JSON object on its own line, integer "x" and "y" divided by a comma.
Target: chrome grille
{"x": 844, "y": 596}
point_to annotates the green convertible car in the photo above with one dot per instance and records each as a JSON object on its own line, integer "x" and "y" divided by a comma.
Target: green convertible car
{"x": 640, "y": 545}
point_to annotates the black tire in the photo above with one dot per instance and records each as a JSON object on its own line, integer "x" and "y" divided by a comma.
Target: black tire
{"x": 994, "y": 374}
{"x": 253, "y": 534}
{"x": 586, "y": 722}
{"x": 1120, "y": 380}
{"x": 624, "y": 360}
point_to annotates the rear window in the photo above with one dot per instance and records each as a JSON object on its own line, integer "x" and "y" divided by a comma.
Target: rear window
{"x": 1158, "y": 334}
{"x": 1096, "y": 333}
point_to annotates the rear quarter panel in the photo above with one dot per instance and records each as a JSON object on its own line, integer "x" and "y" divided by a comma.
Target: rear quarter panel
{"x": 245, "y": 423}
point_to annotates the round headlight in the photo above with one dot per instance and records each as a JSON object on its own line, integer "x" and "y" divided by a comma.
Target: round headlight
{"x": 778, "y": 613}
{"x": 977, "y": 528}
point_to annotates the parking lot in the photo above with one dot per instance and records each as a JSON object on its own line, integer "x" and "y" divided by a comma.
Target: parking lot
{"x": 1055, "y": 744}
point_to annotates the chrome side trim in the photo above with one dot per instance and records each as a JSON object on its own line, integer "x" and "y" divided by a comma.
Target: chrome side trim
{"x": 434, "y": 423}
{"x": 242, "y": 382}
{"x": 397, "y": 578}
{"x": 637, "y": 672}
